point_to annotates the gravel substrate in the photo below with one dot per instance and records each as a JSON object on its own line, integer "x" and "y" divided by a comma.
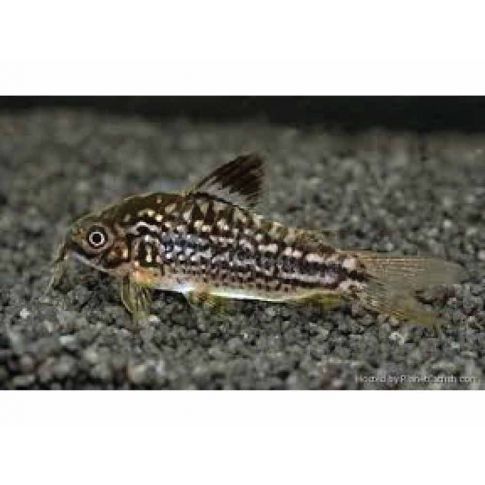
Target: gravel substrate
{"x": 395, "y": 192}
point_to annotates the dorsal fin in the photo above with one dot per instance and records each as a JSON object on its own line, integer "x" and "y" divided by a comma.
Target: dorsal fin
{"x": 238, "y": 182}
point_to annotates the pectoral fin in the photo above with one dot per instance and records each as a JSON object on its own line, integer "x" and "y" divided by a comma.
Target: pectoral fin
{"x": 136, "y": 298}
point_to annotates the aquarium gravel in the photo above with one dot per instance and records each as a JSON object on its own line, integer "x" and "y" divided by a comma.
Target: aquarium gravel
{"x": 393, "y": 192}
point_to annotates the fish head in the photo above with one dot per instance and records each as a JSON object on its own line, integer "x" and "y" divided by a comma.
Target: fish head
{"x": 94, "y": 240}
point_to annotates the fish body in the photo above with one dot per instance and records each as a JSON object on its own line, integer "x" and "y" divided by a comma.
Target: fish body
{"x": 192, "y": 242}
{"x": 208, "y": 243}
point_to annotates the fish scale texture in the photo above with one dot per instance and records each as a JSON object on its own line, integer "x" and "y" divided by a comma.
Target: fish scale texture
{"x": 384, "y": 191}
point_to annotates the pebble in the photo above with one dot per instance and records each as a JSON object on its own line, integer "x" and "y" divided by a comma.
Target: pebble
{"x": 324, "y": 333}
{"x": 24, "y": 313}
{"x": 68, "y": 341}
{"x": 67, "y": 317}
{"x": 397, "y": 337}
{"x": 102, "y": 371}
{"x": 64, "y": 366}
{"x": 447, "y": 224}
{"x": 91, "y": 355}
{"x": 137, "y": 373}
{"x": 23, "y": 381}
{"x": 27, "y": 364}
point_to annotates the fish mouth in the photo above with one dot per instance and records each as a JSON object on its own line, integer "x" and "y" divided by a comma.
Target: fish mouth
{"x": 58, "y": 265}
{"x": 96, "y": 261}
{"x": 62, "y": 253}
{"x": 88, "y": 262}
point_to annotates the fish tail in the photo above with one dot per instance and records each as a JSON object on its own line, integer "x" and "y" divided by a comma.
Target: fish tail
{"x": 394, "y": 281}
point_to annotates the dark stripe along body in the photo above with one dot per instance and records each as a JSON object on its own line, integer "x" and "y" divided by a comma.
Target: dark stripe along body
{"x": 199, "y": 240}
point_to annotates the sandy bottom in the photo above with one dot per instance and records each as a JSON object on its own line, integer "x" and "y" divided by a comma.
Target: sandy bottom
{"x": 399, "y": 193}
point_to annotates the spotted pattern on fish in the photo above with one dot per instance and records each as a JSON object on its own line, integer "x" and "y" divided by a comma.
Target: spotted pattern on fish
{"x": 208, "y": 241}
{"x": 213, "y": 242}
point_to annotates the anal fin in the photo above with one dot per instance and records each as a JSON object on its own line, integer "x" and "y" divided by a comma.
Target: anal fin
{"x": 326, "y": 301}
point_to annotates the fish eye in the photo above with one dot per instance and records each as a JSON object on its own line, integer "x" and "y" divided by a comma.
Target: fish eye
{"x": 97, "y": 237}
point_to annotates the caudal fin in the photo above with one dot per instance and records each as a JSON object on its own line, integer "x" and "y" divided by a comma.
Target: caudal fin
{"x": 395, "y": 280}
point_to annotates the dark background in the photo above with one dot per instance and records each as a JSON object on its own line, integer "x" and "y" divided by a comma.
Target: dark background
{"x": 423, "y": 114}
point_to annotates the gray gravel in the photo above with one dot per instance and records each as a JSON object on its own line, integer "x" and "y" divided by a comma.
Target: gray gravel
{"x": 383, "y": 191}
